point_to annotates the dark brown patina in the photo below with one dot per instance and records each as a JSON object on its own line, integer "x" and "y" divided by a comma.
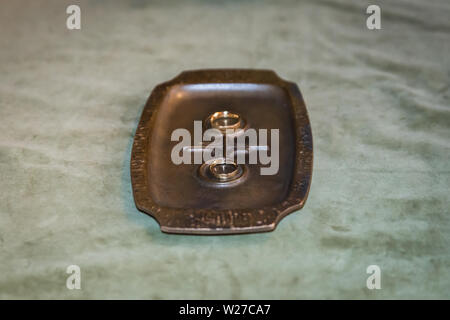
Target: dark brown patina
{"x": 219, "y": 197}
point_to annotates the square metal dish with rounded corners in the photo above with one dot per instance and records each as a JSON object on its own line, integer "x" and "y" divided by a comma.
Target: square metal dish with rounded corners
{"x": 222, "y": 151}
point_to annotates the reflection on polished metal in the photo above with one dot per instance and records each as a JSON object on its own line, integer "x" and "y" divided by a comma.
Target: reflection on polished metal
{"x": 225, "y": 120}
{"x": 222, "y": 172}
{"x": 221, "y": 196}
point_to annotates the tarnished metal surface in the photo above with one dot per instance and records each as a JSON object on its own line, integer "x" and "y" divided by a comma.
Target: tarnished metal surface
{"x": 182, "y": 203}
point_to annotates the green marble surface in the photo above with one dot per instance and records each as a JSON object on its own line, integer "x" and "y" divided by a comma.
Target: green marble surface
{"x": 379, "y": 108}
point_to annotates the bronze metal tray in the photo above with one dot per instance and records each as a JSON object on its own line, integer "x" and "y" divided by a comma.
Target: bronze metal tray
{"x": 220, "y": 196}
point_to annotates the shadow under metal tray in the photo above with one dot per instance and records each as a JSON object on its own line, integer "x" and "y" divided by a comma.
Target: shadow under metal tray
{"x": 193, "y": 183}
